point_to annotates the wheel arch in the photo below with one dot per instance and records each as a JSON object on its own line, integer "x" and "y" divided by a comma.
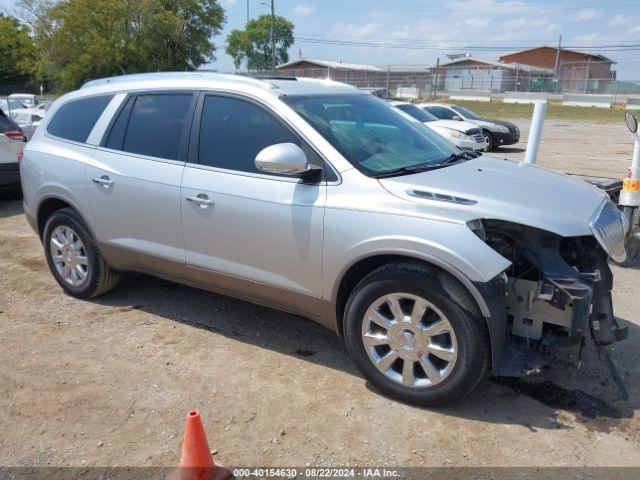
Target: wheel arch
{"x": 51, "y": 204}
{"x": 363, "y": 266}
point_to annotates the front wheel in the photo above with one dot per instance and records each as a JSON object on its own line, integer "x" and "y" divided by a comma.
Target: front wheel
{"x": 632, "y": 247}
{"x": 489, "y": 139}
{"x": 411, "y": 340}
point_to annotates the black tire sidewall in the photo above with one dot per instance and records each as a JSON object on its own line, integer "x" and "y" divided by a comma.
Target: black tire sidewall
{"x": 470, "y": 365}
{"x": 491, "y": 144}
{"x": 66, "y": 218}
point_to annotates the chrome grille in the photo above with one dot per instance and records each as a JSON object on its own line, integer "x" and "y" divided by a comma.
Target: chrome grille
{"x": 608, "y": 227}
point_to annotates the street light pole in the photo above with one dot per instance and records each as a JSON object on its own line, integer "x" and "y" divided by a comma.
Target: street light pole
{"x": 273, "y": 38}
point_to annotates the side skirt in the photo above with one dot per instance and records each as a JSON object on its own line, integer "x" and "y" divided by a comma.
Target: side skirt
{"x": 320, "y": 310}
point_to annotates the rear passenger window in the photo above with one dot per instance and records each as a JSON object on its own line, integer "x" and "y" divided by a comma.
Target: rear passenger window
{"x": 75, "y": 120}
{"x": 119, "y": 128}
{"x": 233, "y": 131}
{"x": 156, "y": 125}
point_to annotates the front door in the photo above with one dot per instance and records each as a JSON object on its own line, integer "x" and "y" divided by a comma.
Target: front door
{"x": 239, "y": 221}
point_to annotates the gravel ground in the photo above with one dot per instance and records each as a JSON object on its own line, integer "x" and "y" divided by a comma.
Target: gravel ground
{"x": 108, "y": 382}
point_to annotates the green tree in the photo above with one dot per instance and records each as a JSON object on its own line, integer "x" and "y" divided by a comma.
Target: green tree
{"x": 87, "y": 39}
{"x": 18, "y": 61}
{"x": 253, "y": 44}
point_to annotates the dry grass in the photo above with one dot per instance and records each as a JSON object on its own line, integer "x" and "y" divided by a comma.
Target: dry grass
{"x": 498, "y": 109}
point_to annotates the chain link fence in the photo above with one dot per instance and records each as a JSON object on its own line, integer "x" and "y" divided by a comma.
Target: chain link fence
{"x": 429, "y": 82}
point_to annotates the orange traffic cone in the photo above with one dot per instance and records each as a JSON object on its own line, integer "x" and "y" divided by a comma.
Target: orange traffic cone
{"x": 196, "y": 462}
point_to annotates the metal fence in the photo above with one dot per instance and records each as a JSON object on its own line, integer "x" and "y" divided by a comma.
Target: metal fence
{"x": 582, "y": 78}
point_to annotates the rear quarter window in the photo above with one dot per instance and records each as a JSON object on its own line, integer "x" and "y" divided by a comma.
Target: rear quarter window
{"x": 75, "y": 120}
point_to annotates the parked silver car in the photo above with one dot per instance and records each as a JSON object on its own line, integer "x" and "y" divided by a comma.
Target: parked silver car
{"x": 316, "y": 198}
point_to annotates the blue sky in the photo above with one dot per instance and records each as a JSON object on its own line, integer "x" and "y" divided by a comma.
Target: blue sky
{"x": 444, "y": 27}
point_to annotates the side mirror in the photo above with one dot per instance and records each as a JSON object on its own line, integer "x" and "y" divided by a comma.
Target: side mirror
{"x": 35, "y": 118}
{"x": 284, "y": 158}
{"x": 632, "y": 122}
{"x": 457, "y": 118}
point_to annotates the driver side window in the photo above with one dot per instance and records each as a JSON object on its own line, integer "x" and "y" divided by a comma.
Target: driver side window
{"x": 234, "y": 131}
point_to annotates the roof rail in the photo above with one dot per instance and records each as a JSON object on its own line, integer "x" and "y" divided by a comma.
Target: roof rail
{"x": 275, "y": 77}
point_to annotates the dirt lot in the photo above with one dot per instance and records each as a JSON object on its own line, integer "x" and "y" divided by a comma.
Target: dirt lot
{"x": 108, "y": 382}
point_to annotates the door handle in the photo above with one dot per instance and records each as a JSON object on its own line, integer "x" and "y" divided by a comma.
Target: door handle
{"x": 201, "y": 200}
{"x": 104, "y": 181}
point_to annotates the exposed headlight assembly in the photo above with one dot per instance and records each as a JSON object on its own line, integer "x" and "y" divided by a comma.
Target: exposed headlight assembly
{"x": 456, "y": 134}
{"x": 608, "y": 226}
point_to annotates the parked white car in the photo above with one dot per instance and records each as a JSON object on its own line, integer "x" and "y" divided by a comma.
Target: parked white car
{"x": 8, "y": 105}
{"x": 496, "y": 132}
{"x": 462, "y": 134}
{"x": 28, "y": 119}
{"x": 11, "y": 142}
{"x": 29, "y": 100}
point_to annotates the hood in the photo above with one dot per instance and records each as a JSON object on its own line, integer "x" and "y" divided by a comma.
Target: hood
{"x": 460, "y": 126}
{"x": 504, "y": 190}
{"x": 490, "y": 123}
{"x": 500, "y": 122}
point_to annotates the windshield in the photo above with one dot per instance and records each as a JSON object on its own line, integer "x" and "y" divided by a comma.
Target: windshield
{"x": 417, "y": 113}
{"x": 466, "y": 113}
{"x": 371, "y": 134}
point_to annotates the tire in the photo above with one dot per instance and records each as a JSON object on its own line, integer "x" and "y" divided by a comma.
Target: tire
{"x": 98, "y": 278}
{"x": 467, "y": 335}
{"x": 489, "y": 137}
{"x": 633, "y": 249}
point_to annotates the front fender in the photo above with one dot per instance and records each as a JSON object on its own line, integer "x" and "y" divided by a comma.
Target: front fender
{"x": 450, "y": 245}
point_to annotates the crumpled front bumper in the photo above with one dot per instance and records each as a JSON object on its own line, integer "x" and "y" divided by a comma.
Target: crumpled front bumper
{"x": 586, "y": 292}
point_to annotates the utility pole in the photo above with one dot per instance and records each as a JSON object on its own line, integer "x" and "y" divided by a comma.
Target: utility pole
{"x": 273, "y": 38}
{"x": 248, "y": 17}
{"x": 555, "y": 70}
{"x": 435, "y": 87}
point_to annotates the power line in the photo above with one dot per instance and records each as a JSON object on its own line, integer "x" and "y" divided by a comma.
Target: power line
{"x": 514, "y": 8}
{"x": 478, "y": 48}
{"x": 459, "y": 44}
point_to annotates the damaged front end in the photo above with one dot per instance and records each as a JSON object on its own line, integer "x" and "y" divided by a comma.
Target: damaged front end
{"x": 556, "y": 291}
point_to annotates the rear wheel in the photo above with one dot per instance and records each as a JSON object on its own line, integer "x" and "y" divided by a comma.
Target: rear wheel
{"x": 74, "y": 258}
{"x": 411, "y": 340}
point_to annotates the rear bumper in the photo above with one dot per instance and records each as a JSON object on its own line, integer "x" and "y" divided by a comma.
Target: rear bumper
{"x": 9, "y": 175}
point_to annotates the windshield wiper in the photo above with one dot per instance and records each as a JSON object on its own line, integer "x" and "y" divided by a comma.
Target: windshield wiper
{"x": 462, "y": 155}
{"x": 424, "y": 167}
{"x": 411, "y": 169}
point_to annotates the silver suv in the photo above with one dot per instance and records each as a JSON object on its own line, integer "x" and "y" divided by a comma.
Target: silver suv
{"x": 434, "y": 264}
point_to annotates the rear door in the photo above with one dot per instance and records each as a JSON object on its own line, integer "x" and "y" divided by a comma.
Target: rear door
{"x": 133, "y": 183}
{"x": 265, "y": 228}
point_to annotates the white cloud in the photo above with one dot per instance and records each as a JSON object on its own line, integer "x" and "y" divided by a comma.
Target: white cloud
{"x": 492, "y": 6}
{"x": 351, "y": 30}
{"x": 620, "y": 21}
{"x": 304, "y": 10}
{"x": 587, "y": 14}
{"x": 477, "y": 22}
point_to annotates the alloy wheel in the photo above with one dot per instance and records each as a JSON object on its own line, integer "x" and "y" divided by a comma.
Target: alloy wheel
{"x": 69, "y": 256}
{"x": 409, "y": 340}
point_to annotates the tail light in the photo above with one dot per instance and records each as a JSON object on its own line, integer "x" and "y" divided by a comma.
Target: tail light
{"x": 16, "y": 136}
{"x": 20, "y": 154}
